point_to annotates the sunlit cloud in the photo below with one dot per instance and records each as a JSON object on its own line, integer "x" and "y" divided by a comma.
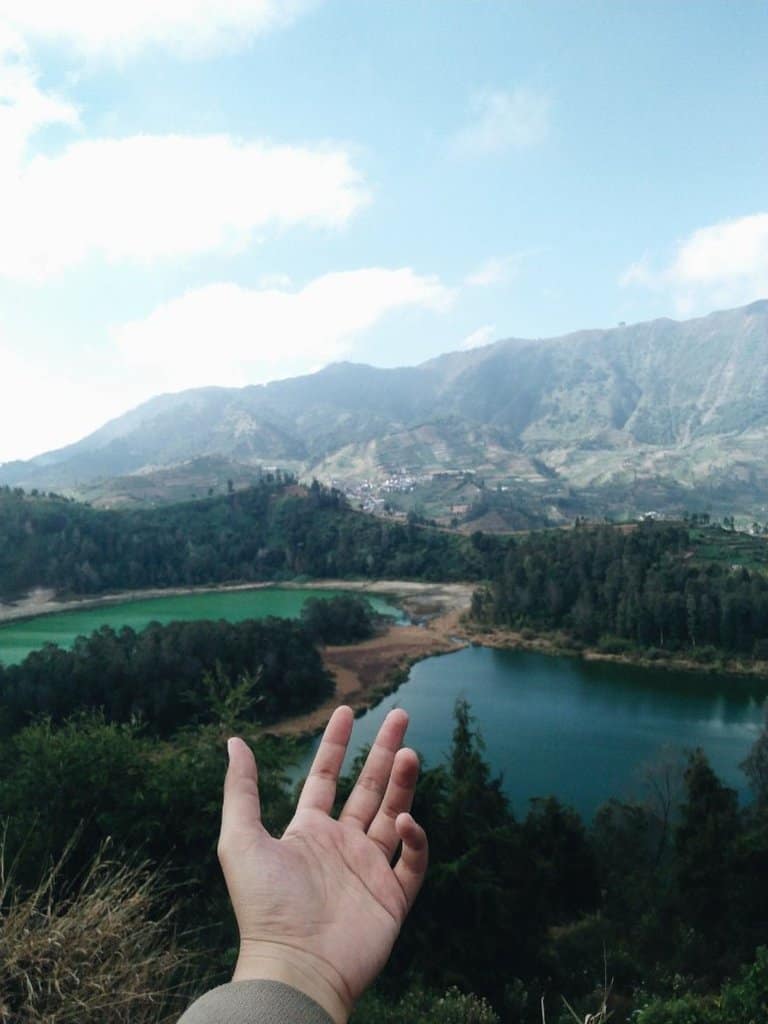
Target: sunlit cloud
{"x": 43, "y": 406}
{"x": 25, "y": 108}
{"x": 493, "y": 271}
{"x": 220, "y": 334}
{"x": 723, "y": 264}
{"x": 502, "y": 121}
{"x": 482, "y": 336}
{"x": 148, "y": 199}
{"x": 227, "y": 334}
{"x": 121, "y": 30}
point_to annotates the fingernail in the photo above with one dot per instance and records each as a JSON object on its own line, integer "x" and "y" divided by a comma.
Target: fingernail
{"x": 229, "y": 747}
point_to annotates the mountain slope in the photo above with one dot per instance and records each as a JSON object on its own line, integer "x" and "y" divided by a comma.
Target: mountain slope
{"x": 683, "y": 401}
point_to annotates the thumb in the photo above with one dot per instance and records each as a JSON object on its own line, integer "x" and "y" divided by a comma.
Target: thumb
{"x": 241, "y": 810}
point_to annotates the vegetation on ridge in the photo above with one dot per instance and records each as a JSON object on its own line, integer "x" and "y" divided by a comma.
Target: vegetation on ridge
{"x": 275, "y": 530}
{"x": 659, "y": 587}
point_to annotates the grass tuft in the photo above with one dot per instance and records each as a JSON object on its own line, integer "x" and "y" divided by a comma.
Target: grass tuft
{"x": 99, "y": 953}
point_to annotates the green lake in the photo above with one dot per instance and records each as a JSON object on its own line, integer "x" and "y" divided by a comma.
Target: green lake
{"x": 584, "y": 731}
{"x": 17, "y": 639}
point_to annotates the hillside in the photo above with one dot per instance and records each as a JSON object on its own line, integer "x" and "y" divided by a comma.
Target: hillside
{"x": 660, "y": 414}
{"x": 275, "y": 530}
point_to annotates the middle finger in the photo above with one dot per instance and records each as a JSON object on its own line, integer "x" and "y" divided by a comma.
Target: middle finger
{"x": 365, "y": 799}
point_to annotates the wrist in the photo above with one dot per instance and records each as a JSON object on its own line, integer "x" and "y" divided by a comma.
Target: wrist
{"x": 268, "y": 961}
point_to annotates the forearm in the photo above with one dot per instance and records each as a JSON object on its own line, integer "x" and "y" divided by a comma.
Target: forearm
{"x": 255, "y": 1002}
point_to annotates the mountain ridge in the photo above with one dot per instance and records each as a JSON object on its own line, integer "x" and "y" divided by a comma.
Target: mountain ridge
{"x": 683, "y": 400}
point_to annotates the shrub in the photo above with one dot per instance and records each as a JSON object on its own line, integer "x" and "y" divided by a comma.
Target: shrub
{"x": 615, "y": 645}
{"x": 656, "y": 654}
{"x": 685, "y": 1010}
{"x": 705, "y": 655}
{"x": 420, "y": 1007}
{"x": 745, "y": 1001}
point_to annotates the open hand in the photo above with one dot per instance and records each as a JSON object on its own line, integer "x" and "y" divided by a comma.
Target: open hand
{"x": 321, "y": 907}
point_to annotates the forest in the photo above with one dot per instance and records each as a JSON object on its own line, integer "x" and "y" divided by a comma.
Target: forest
{"x": 275, "y": 530}
{"x": 168, "y": 676}
{"x": 659, "y": 587}
{"x": 656, "y": 909}
{"x": 176, "y": 675}
{"x": 343, "y": 619}
{"x": 648, "y": 586}
{"x": 666, "y": 899}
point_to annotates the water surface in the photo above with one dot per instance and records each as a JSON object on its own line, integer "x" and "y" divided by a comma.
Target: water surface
{"x": 584, "y": 731}
{"x": 17, "y": 639}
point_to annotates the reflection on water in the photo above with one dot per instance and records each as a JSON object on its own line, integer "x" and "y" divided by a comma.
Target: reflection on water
{"x": 585, "y": 731}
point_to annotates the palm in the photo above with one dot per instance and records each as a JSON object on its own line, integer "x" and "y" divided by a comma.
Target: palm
{"x": 326, "y": 891}
{"x": 340, "y": 898}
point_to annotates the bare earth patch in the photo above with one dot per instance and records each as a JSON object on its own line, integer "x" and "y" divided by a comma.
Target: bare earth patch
{"x": 364, "y": 671}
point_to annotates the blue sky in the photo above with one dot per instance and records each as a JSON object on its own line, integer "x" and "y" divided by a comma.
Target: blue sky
{"x": 202, "y": 193}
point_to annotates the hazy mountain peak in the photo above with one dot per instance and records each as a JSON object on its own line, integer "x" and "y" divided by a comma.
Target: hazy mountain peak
{"x": 684, "y": 398}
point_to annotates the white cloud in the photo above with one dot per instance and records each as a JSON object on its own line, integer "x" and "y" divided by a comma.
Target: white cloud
{"x": 221, "y": 334}
{"x": 24, "y": 107}
{"x": 120, "y": 29}
{"x": 43, "y": 407}
{"x": 724, "y": 264}
{"x": 482, "y": 336}
{"x": 149, "y": 198}
{"x": 504, "y": 120}
{"x": 275, "y": 280}
{"x": 227, "y": 334}
{"x": 492, "y": 272}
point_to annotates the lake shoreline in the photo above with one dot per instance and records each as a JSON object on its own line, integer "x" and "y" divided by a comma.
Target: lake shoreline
{"x": 419, "y": 596}
{"x": 554, "y": 645}
{"x": 368, "y": 671}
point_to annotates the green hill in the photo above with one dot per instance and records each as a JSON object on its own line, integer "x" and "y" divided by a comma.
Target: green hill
{"x": 274, "y": 530}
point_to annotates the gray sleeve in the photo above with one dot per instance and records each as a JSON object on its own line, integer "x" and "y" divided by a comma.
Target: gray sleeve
{"x": 255, "y": 1002}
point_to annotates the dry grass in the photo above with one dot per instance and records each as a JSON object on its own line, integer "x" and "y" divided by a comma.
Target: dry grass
{"x": 600, "y": 1017}
{"x": 98, "y": 954}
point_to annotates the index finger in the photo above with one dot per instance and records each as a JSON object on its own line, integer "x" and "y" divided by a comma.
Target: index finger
{"x": 319, "y": 790}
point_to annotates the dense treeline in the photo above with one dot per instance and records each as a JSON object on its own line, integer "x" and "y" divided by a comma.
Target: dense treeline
{"x": 673, "y": 891}
{"x": 344, "y": 619}
{"x": 644, "y": 585}
{"x": 169, "y": 676}
{"x": 273, "y": 530}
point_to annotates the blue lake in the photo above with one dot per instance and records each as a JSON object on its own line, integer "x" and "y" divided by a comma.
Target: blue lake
{"x": 585, "y": 731}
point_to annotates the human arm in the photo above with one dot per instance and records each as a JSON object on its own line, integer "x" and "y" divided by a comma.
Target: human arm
{"x": 320, "y": 908}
